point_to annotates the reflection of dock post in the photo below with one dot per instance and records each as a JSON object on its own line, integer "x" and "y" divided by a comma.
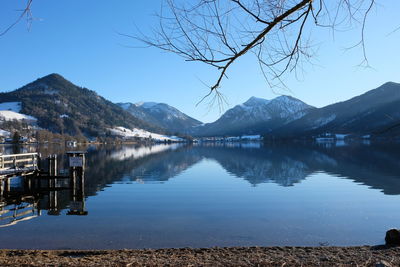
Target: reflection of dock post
{"x": 1, "y": 189}
{"x": 77, "y": 183}
{"x": 53, "y": 203}
{"x": 39, "y": 162}
{"x": 7, "y": 184}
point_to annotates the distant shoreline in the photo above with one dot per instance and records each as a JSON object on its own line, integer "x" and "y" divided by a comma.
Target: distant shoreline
{"x": 232, "y": 256}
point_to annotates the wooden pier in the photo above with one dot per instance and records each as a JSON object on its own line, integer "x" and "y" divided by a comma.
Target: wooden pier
{"x": 23, "y": 203}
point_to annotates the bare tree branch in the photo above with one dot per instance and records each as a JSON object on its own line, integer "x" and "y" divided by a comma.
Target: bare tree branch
{"x": 26, "y": 12}
{"x": 219, "y": 32}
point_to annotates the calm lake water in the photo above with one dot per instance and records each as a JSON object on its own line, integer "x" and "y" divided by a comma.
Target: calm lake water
{"x": 215, "y": 195}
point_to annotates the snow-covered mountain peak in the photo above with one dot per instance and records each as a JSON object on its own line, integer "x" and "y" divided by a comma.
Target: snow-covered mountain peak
{"x": 160, "y": 107}
{"x": 161, "y": 114}
{"x": 257, "y": 116}
{"x": 255, "y": 101}
{"x": 146, "y": 104}
{"x": 285, "y": 98}
{"x": 287, "y": 106}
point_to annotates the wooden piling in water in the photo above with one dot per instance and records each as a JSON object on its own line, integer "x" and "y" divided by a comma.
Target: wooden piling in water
{"x": 52, "y": 160}
{"x": 76, "y": 161}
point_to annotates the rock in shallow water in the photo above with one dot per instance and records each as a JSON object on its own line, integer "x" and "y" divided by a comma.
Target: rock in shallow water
{"x": 392, "y": 237}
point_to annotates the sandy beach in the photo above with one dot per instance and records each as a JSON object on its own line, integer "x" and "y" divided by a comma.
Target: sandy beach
{"x": 234, "y": 256}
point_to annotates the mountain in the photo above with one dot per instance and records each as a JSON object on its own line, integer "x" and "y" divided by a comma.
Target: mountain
{"x": 162, "y": 115}
{"x": 56, "y": 104}
{"x": 60, "y": 106}
{"x": 256, "y": 116}
{"x": 375, "y": 112}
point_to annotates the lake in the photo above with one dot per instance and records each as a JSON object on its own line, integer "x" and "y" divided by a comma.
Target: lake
{"x": 209, "y": 195}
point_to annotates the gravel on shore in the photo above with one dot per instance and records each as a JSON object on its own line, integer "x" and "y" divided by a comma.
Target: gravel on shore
{"x": 235, "y": 256}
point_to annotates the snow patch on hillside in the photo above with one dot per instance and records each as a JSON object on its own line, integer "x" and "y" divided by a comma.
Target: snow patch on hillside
{"x": 289, "y": 107}
{"x": 13, "y": 106}
{"x": 4, "y": 133}
{"x": 140, "y": 133}
{"x": 10, "y": 111}
{"x": 9, "y": 115}
{"x": 50, "y": 92}
{"x": 146, "y": 104}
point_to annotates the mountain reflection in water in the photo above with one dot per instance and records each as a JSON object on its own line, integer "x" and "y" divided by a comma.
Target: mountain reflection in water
{"x": 214, "y": 194}
{"x": 286, "y": 164}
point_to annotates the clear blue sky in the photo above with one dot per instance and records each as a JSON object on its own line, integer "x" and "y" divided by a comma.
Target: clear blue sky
{"x": 79, "y": 40}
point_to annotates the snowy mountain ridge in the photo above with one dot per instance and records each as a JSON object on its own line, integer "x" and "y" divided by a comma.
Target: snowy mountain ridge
{"x": 256, "y": 116}
{"x": 55, "y": 104}
{"x": 375, "y": 112}
{"x": 146, "y": 104}
{"x": 161, "y": 114}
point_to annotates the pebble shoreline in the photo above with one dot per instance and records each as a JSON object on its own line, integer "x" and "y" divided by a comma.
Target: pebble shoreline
{"x": 381, "y": 256}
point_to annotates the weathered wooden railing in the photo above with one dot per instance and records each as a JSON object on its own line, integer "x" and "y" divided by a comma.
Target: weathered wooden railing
{"x": 19, "y": 161}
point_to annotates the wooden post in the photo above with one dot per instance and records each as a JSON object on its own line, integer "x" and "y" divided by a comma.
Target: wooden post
{"x": 82, "y": 192}
{"x": 76, "y": 170}
{"x": 52, "y": 165}
{"x": 52, "y": 182}
{"x": 49, "y": 159}
{"x": 55, "y": 165}
{"x": 73, "y": 185}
